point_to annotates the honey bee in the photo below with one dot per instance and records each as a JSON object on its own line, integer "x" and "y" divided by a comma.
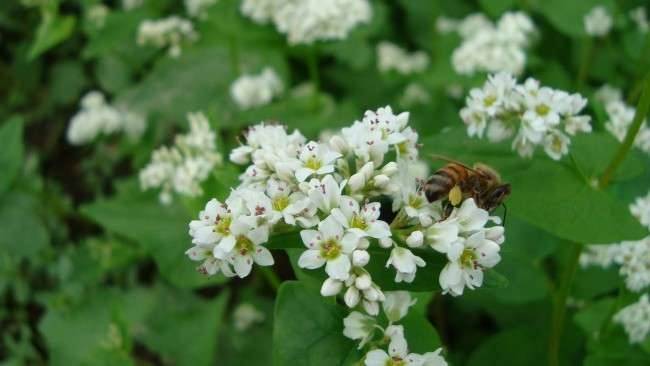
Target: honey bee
{"x": 456, "y": 181}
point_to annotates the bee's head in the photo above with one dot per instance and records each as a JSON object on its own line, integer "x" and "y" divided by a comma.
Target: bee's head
{"x": 497, "y": 195}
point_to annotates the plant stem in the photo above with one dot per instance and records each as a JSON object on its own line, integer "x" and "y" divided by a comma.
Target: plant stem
{"x": 639, "y": 117}
{"x": 559, "y": 305}
{"x": 585, "y": 62}
{"x": 312, "y": 65}
{"x": 271, "y": 277}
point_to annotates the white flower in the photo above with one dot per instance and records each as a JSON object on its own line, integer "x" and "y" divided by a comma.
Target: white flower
{"x": 331, "y": 287}
{"x": 607, "y": 93}
{"x": 414, "y": 94}
{"x": 97, "y": 117}
{"x": 391, "y": 57}
{"x": 599, "y": 255}
{"x": 246, "y": 248}
{"x": 640, "y": 17}
{"x": 415, "y": 239}
{"x": 492, "y": 48}
{"x": 170, "y": 32}
{"x": 534, "y": 114}
{"x": 250, "y": 91}
{"x": 406, "y": 263}
{"x": 634, "y": 259}
{"x": 210, "y": 265}
{"x": 443, "y": 234}
{"x": 325, "y": 194}
{"x": 641, "y": 210}
{"x": 131, "y": 4}
{"x": 245, "y": 315}
{"x": 308, "y": 21}
{"x": 358, "y": 326}
{"x": 317, "y": 159}
{"x": 328, "y": 246}
{"x": 411, "y": 198}
{"x": 260, "y": 11}
{"x": 598, "y": 22}
{"x": 620, "y": 119}
{"x": 362, "y": 221}
{"x": 183, "y": 167}
{"x": 397, "y": 304}
{"x": 397, "y": 354}
{"x": 433, "y": 359}
{"x": 635, "y": 319}
{"x": 467, "y": 259}
{"x": 97, "y": 14}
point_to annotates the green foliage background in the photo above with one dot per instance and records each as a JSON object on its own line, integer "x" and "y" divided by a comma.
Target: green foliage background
{"x": 92, "y": 270}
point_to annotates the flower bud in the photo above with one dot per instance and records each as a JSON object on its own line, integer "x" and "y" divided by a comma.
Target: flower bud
{"x": 371, "y": 307}
{"x": 240, "y": 155}
{"x": 381, "y": 181}
{"x": 389, "y": 169}
{"x": 331, "y": 287}
{"x": 495, "y": 234}
{"x": 415, "y": 239}
{"x": 339, "y": 145}
{"x": 371, "y": 294}
{"x": 426, "y": 220}
{"x": 351, "y": 297}
{"x": 363, "y": 243}
{"x": 360, "y": 258}
{"x": 356, "y": 182}
{"x": 363, "y": 282}
{"x": 397, "y": 304}
{"x": 385, "y": 242}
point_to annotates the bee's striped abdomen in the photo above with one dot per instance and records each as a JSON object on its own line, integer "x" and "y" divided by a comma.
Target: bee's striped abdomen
{"x": 443, "y": 180}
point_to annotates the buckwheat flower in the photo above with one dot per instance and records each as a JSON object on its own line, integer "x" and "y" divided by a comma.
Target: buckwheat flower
{"x": 406, "y": 264}
{"x": 131, "y": 4}
{"x": 261, "y": 208}
{"x": 308, "y": 21}
{"x": 182, "y": 167}
{"x": 489, "y": 47}
{"x": 171, "y": 33}
{"x": 634, "y": 260}
{"x": 358, "y": 326}
{"x": 433, "y": 358}
{"x": 362, "y": 221}
{"x": 260, "y": 11}
{"x": 97, "y": 14}
{"x": 640, "y": 209}
{"x": 397, "y": 354}
{"x": 411, "y": 198}
{"x": 620, "y": 117}
{"x": 198, "y": 8}
{"x": 214, "y": 222}
{"x": 443, "y": 234}
{"x": 535, "y": 115}
{"x": 598, "y": 22}
{"x": 635, "y": 319}
{"x": 607, "y": 93}
{"x": 210, "y": 265}
{"x": 640, "y": 17}
{"x": 328, "y": 246}
{"x": 250, "y": 91}
{"x": 97, "y": 117}
{"x": 599, "y": 255}
{"x": 467, "y": 262}
{"x": 315, "y": 159}
{"x": 415, "y": 239}
{"x": 414, "y": 94}
{"x": 325, "y": 194}
{"x": 391, "y": 57}
{"x": 246, "y": 248}
{"x": 246, "y": 315}
{"x": 397, "y": 304}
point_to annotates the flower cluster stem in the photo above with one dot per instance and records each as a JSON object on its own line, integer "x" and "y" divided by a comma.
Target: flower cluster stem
{"x": 639, "y": 117}
{"x": 585, "y": 62}
{"x": 559, "y": 304}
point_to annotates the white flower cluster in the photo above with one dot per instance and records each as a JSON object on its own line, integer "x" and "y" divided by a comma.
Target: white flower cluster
{"x": 490, "y": 47}
{"x": 308, "y": 21}
{"x": 327, "y": 188}
{"x": 182, "y": 167}
{"x": 414, "y": 94}
{"x": 131, "y": 4}
{"x": 533, "y": 114}
{"x": 97, "y": 117}
{"x": 250, "y": 91}
{"x": 620, "y": 117}
{"x": 170, "y": 32}
{"x": 635, "y": 319}
{"x": 198, "y": 8}
{"x": 640, "y": 17}
{"x": 598, "y": 22}
{"x": 245, "y": 316}
{"x": 633, "y": 257}
{"x": 391, "y": 57}
{"x": 96, "y": 15}
{"x": 364, "y": 328}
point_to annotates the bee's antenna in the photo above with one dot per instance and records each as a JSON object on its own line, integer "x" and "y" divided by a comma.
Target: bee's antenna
{"x": 505, "y": 213}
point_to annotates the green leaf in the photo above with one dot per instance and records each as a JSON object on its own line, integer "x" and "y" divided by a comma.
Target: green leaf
{"x": 496, "y": 7}
{"x": 509, "y": 348}
{"x": 548, "y": 194}
{"x": 22, "y": 233}
{"x": 422, "y": 337}
{"x": 11, "y": 151}
{"x": 160, "y": 230}
{"x": 53, "y": 30}
{"x": 68, "y": 80}
{"x": 592, "y": 152}
{"x": 309, "y": 329}
{"x": 185, "y": 330}
{"x": 591, "y": 318}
